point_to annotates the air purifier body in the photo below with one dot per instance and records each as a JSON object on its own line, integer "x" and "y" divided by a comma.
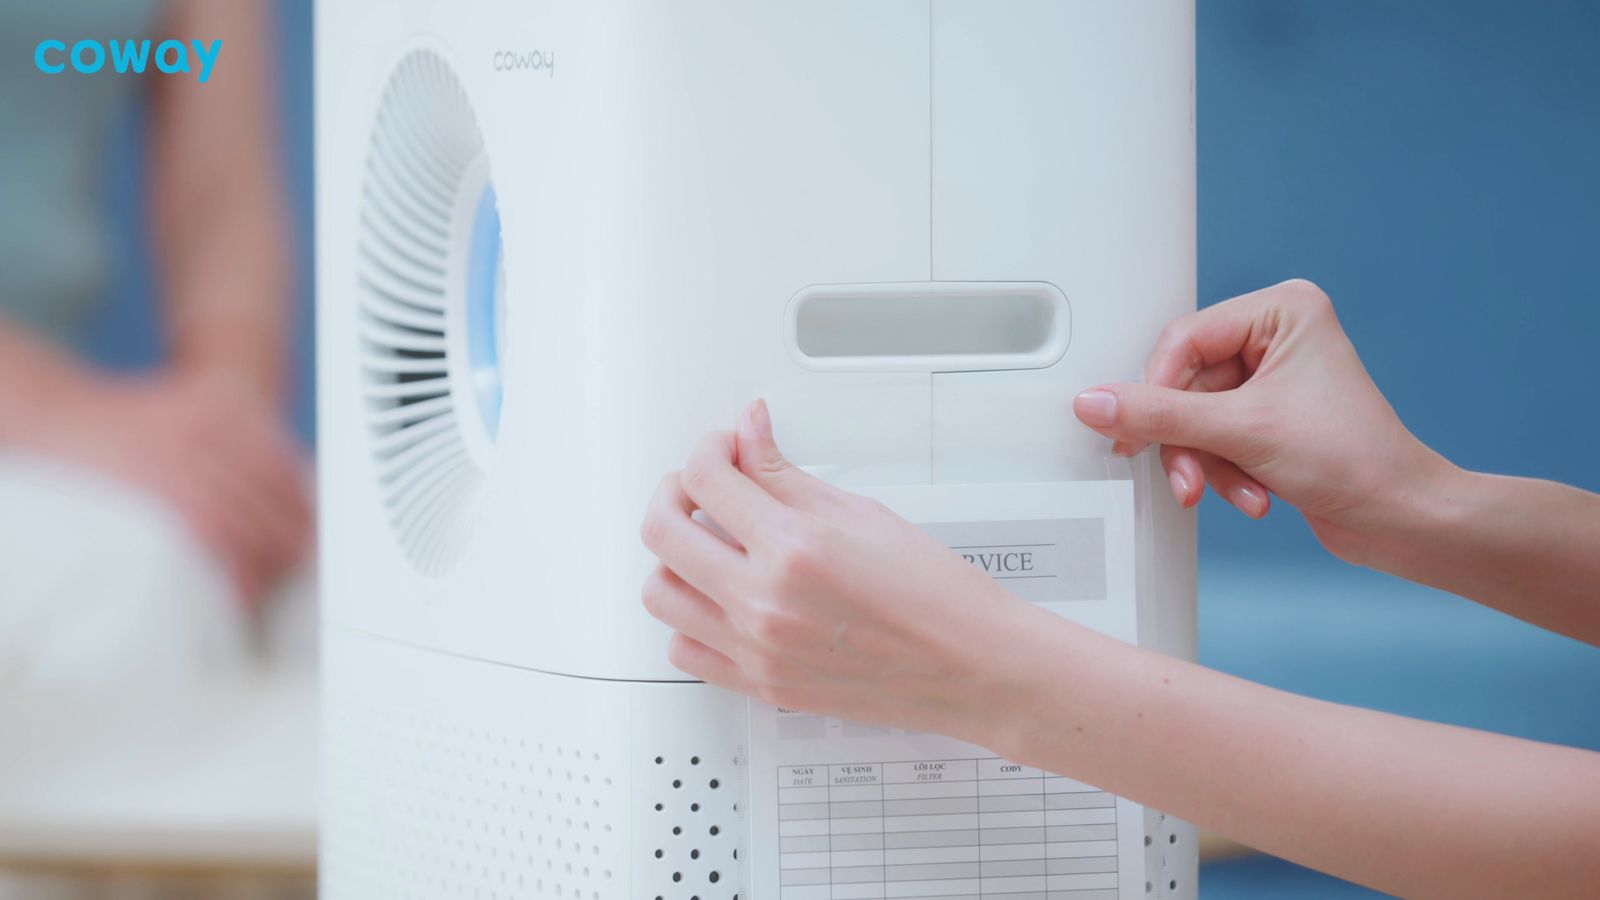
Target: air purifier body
{"x": 556, "y": 242}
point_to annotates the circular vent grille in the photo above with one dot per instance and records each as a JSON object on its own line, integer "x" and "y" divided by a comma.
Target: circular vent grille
{"x": 432, "y": 289}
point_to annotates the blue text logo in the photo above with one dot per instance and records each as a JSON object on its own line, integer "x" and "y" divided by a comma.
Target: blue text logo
{"x": 90, "y": 56}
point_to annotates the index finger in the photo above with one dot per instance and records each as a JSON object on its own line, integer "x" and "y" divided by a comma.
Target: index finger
{"x": 1239, "y": 327}
{"x": 738, "y": 505}
{"x": 694, "y": 554}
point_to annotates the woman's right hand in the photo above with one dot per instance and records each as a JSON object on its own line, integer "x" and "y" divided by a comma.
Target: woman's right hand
{"x": 1264, "y": 393}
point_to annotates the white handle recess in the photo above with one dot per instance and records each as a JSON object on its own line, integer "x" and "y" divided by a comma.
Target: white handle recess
{"x": 934, "y": 326}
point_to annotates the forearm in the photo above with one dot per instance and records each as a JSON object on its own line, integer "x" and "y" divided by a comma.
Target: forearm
{"x": 34, "y": 374}
{"x": 218, "y": 204}
{"x": 1526, "y": 547}
{"x": 228, "y": 292}
{"x": 1410, "y": 807}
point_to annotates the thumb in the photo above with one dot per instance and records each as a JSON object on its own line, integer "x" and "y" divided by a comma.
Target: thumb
{"x": 1143, "y": 413}
{"x": 761, "y": 461}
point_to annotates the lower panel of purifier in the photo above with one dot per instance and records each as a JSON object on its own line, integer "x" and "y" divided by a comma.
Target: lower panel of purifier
{"x": 447, "y": 776}
{"x": 450, "y": 776}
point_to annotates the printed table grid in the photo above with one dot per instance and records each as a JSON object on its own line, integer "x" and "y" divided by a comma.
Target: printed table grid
{"x": 956, "y": 829}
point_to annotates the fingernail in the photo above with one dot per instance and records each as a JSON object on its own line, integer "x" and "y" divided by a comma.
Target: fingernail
{"x": 754, "y": 425}
{"x": 1249, "y": 500}
{"x": 761, "y": 418}
{"x": 1096, "y": 408}
{"x": 1180, "y": 486}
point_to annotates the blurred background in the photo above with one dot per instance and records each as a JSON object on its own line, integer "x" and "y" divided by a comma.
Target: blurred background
{"x": 1433, "y": 164}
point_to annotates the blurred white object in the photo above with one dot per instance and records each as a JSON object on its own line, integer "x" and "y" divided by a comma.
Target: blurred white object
{"x": 145, "y": 719}
{"x": 100, "y": 583}
{"x": 220, "y": 772}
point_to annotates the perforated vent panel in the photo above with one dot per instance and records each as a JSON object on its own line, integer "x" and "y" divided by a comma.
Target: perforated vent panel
{"x": 1171, "y": 858}
{"x": 688, "y": 783}
{"x": 499, "y": 817}
{"x": 452, "y": 778}
{"x": 692, "y": 811}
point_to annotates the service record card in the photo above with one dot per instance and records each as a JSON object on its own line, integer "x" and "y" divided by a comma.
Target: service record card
{"x": 844, "y": 810}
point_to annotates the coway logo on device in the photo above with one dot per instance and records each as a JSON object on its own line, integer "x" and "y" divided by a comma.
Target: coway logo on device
{"x": 527, "y": 60}
{"x": 90, "y": 56}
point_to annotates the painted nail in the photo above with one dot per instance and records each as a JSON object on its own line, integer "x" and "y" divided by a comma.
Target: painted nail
{"x": 761, "y": 418}
{"x": 1097, "y": 408}
{"x": 1250, "y": 500}
{"x": 1180, "y": 487}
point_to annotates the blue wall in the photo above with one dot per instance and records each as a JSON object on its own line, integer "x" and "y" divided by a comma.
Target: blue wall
{"x": 1435, "y": 165}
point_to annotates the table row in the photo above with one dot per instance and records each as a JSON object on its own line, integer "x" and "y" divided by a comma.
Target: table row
{"x": 946, "y": 870}
{"x": 946, "y": 831}
{"x": 916, "y": 771}
{"x": 1078, "y": 804}
{"x": 1094, "y": 886}
{"x": 844, "y": 849}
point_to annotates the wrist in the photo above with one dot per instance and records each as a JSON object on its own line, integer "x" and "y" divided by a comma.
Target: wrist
{"x": 1432, "y": 504}
{"x": 241, "y": 345}
{"x": 1022, "y": 689}
{"x": 250, "y": 373}
{"x": 37, "y": 383}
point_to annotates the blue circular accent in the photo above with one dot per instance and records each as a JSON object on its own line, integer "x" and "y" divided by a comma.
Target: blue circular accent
{"x": 485, "y": 293}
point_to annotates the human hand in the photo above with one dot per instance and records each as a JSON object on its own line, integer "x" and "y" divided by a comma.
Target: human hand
{"x": 823, "y": 600}
{"x": 207, "y": 447}
{"x": 1263, "y": 393}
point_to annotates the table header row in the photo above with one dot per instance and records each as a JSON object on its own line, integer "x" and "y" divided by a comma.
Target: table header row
{"x": 843, "y": 774}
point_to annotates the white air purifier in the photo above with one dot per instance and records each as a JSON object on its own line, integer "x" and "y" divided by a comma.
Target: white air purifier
{"x": 556, "y": 242}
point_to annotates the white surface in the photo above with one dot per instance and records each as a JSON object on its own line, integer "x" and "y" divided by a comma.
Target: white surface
{"x": 221, "y": 772}
{"x": 142, "y": 717}
{"x": 100, "y": 582}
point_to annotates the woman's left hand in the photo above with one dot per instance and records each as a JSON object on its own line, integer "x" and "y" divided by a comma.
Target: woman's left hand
{"x": 819, "y": 599}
